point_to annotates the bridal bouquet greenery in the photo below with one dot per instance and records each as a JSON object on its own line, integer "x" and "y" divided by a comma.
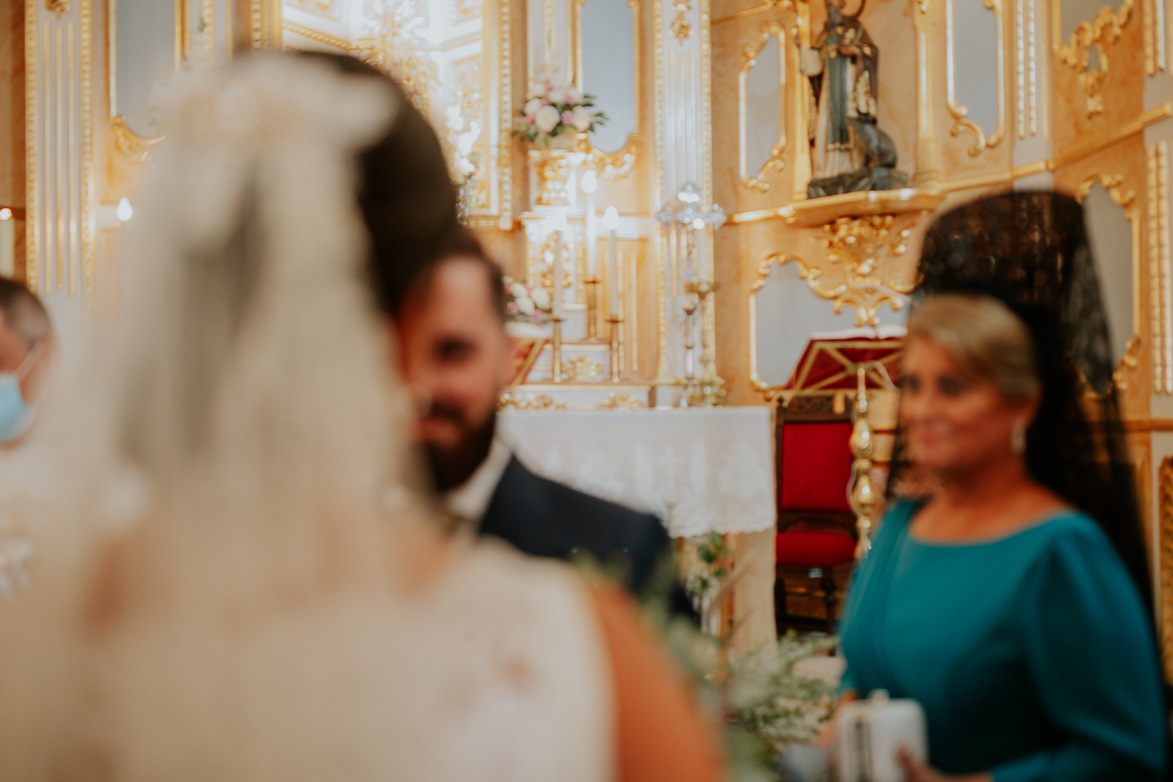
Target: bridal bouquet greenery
{"x": 763, "y": 704}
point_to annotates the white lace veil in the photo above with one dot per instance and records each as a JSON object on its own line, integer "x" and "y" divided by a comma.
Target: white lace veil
{"x": 252, "y": 391}
{"x": 242, "y": 426}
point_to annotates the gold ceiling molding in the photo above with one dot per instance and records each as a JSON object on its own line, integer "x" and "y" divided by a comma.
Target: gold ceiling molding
{"x": 1160, "y": 305}
{"x": 1165, "y": 557}
{"x": 1101, "y": 33}
{"x": 775, "y": 162}
{"x": 960, "y": 114}
{"x": 581, "y": 368}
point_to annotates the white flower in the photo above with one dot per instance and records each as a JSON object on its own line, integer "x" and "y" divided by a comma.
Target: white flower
{"x": 582, "y": 119}
{"x": 518, "y": 290}
{"x": 532, "y": 106}
{"x": 541, "y": 298}
{"x": 526, "y": 305}
{"x": 572, "y": 96}
{"x": 548, "y": 119}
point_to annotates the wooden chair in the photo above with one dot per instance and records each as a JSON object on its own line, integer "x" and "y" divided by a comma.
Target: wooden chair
{"x": 815, "y": 544}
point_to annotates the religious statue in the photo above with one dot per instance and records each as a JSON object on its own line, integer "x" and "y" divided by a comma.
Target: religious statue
{"x": 850, "y": 152}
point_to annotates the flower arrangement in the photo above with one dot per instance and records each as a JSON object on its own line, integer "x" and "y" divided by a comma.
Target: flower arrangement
{"x": 526, "y": 304}
{"x": 557, "y": 111}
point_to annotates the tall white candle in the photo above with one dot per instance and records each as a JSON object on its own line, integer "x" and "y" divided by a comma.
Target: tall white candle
{"x": 702, "y": 269}
{"x": 611, "y": 223}
{"x": 590, "y": 183}
{"x": 7, "y": 244}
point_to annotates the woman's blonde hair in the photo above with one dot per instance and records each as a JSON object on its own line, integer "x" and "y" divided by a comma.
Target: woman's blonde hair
{"x": 984, "y": 336}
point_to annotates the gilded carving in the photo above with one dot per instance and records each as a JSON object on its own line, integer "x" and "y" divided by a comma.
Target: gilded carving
{"x": 867, "y": 265}
{"x": 1101, "y": 33}
{"x": 681, "y": 28}
{"x": 1165, "y": 496}
{"x": 58, "y": 7}
{"x": 621, "y": 402}
{"x": 528, "y": 402}
{"x": 552, "y": 167}
{"x": 960, "y": 113}
{"x": 775, "y": 162}
{"x": 581, "y": 368}
{"x": 327, "y": 9}
{"x": 1159, "y": 267}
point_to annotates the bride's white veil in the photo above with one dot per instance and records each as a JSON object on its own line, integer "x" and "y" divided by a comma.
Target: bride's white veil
{"x": 251, "y": 398}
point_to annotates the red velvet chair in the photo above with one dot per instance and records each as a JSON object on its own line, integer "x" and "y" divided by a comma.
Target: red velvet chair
{"x": 815, "y": 545}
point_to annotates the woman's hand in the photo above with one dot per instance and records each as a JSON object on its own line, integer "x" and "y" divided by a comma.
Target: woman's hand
{"x": 919, "y": 772}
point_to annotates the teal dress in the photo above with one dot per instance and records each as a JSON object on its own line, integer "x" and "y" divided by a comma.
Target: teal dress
{"x": 1032, "y": 654}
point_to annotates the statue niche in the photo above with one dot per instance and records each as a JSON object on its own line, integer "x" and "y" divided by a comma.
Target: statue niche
{"x": 849, "y": 151}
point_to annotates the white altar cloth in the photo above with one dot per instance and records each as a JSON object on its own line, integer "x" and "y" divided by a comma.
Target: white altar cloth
{"x": 698, "y": 470}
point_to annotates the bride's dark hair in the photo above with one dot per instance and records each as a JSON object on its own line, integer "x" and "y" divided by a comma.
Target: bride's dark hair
{"x": 406, "y": 197}
{"x": 1030, "y": 251}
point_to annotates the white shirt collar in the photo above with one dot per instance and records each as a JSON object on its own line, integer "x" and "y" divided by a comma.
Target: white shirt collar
{"x": 471, "y": 499}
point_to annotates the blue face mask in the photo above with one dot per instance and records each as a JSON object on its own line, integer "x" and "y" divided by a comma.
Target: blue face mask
{"x": 16, "y": 415}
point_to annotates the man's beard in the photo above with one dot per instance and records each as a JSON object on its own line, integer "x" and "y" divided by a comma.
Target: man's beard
{"x": 452, "y": 466}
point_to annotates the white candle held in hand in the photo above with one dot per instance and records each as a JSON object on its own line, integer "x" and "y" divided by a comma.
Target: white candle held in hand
{"x": 611, "y": 223}
{"x": 7, "y": 244}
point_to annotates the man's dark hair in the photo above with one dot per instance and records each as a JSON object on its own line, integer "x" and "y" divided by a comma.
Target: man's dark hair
{"x": 24, "y": 313}
{"x": 461, "y": 245}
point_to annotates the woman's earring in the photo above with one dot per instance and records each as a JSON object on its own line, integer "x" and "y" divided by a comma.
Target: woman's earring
{"x": 1018, "y": 438}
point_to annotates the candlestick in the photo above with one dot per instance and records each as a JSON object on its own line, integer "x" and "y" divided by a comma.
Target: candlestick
{"x": 611, "y": 223}
{"x": 616, "y": 343}
{"x": 7, "y": 244}
{"x": 559, "y": 227}
{"x": 590, "y": 183}
{"x": 556, "y": 349}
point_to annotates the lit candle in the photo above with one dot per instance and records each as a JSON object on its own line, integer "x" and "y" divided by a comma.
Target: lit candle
{"x": 7, "y": 244}
{"x": 559, "y": 227}
{"x": 125, "y": 212}
{"x": 590, "y": 183}
{"x": 611, "y": 223}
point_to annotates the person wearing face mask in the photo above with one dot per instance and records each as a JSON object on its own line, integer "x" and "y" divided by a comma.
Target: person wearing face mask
{"x": 26, "y": 350}
{"x": 27, "y": 353}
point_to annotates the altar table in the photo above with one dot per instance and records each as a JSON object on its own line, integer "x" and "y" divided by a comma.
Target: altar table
{"x": 698, "y": 470}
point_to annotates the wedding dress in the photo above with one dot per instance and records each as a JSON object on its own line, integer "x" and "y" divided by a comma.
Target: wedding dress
{"x": 239, "y": 582}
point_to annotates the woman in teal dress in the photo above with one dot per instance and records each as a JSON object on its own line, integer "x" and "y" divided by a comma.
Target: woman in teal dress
{"x": 1013, "y": 601}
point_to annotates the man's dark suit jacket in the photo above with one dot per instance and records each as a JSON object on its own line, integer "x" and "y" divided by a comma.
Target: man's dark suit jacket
{"x": 547, "y": 519}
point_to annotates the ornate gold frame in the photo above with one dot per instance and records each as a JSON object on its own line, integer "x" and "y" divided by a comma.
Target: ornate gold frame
{"x": 775, "y": 162}
{"x": 1160, "y": 304}
{"x": 1101, "y": 32}
{"x": 617, "y": 164}
{"x": 865, "y": 237}
{"x": 1129, "y": 363}
{"x": 126, "y": 149}
{"x": 960, "y": 114}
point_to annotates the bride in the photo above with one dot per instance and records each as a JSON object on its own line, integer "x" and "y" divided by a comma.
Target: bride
{"x": 241, "y": 580}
